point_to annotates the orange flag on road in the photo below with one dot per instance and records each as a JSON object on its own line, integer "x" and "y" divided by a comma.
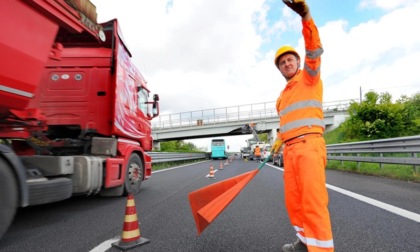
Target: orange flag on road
{"x": 209, "y": 201}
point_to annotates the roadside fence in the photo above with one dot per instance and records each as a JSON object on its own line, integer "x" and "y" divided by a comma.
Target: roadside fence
{"x": 401, "y": 150}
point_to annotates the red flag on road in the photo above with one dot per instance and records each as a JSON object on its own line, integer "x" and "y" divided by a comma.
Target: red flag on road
{"x": 209, "y": 201}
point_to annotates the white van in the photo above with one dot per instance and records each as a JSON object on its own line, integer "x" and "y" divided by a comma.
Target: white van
{"x": 263, "y": 146}
{"x": 265, "y": 152}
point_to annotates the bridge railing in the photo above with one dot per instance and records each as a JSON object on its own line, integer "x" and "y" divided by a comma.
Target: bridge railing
{"x": 225, "y": 115}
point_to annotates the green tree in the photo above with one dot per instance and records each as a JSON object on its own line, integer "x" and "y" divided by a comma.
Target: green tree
{"x": 411, "y": 113}
{"x": 169, "y": 146}
{"x": 263, "y": 137}
{"x": 177, "y": 145}
{"x": 376, "y": 117}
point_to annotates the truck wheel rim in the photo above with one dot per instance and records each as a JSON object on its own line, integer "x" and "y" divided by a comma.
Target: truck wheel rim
{"x": 134, "y": 174}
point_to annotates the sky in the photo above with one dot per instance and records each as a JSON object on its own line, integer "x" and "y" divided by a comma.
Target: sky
{"x": 204, "y": 54}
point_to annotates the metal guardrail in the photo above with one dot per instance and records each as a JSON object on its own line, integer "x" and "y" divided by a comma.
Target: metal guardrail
{"x": 366, "y": 151}
{"x": 373, "y": 151}
{"x": 242, "y": 113}
{"x": 161, "y": 157}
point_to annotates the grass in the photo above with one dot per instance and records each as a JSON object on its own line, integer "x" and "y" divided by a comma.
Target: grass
{"x": 400, "y": 172}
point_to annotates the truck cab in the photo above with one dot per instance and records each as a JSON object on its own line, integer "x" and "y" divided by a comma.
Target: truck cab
{"x": 75, "y": 112}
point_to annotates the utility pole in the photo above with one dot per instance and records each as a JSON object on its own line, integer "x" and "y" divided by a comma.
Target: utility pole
{"x": 360, "y": 99}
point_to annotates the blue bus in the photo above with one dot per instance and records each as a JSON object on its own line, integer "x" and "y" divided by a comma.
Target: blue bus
{"x": 218, "y": 149}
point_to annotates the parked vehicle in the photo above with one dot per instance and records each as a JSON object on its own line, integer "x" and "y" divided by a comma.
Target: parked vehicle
{"x": 75, "y": 114}
{"x": 265, "y": 152}
{"x": 278, "y": 159}
{"x": 252, "y": 149}
{"x": 218, "y": 149}
{"x": 248, "y": 151}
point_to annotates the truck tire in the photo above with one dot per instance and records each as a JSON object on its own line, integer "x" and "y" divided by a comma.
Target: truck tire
{"x": 134, "y": 174}
{"x": 8, "y": 196}
{"x": 53, "y": 190}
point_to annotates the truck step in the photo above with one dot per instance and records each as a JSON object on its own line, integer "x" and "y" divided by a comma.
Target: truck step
{"x": 48, "y": 191}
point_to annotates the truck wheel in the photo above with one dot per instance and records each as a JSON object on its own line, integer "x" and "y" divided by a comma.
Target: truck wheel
{"x": 134, "y": 175}
{"x": 8, "y": 196}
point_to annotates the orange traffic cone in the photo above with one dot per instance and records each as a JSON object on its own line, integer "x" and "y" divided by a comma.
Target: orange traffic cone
{"x": 227, "y": 162}
{"x": 221, "y": 166}
{"x": 130, "y": 237}
{"x": 211, "y": 173}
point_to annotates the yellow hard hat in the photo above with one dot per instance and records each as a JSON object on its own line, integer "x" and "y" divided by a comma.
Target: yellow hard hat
{"x": 282, "y": 50}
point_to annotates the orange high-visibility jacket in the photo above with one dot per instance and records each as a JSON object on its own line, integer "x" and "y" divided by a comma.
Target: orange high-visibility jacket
{"x": 299, "y": 105}
{"x": 257, "y": 151}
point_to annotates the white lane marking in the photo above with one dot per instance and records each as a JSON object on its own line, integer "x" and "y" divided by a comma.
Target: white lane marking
{"x": 104, "y": 246}
{"x": 393, "y": 209}
{"x": 176, "y": 167}
{"x": 377, "y": 203}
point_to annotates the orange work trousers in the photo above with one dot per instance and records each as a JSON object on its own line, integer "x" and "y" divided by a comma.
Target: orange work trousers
{"x": 306, "y": 194}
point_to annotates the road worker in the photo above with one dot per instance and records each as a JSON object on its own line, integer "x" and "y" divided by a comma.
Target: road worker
{"x": 301, "y": 127}
{"x": 275, "y": 149}
{"x": 257, "y": 153}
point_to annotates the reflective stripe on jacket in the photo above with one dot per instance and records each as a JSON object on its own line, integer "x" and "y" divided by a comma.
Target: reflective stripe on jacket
{"x": 299, "y": 105}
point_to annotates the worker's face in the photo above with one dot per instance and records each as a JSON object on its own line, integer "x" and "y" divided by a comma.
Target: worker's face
{"x": 288, "y": 64}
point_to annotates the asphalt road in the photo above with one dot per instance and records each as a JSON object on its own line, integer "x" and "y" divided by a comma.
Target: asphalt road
{"x": 385, "y": 219}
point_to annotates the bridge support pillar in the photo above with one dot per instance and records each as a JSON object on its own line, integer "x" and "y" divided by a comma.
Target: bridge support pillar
{"x": 272, "y": 135}
{"x": 156, "y": 145}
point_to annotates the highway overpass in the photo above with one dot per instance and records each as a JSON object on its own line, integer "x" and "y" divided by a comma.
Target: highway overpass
{"x": 229, "y": 121}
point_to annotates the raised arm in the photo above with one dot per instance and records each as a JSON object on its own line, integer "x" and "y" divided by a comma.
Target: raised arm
{"x": 300, "y": 7}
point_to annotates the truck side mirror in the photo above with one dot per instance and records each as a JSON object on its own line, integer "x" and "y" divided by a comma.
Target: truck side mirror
{"x": 155, "y": 108}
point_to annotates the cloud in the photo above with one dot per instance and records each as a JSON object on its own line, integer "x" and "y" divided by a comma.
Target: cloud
{"x": 214, "y": 53}
{"x": 204, "y": 51}
{"x": 386, "y": 5}
{"x": 378, "y": 55}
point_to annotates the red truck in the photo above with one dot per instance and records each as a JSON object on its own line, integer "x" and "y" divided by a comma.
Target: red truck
{"x": 74, "y": 111}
